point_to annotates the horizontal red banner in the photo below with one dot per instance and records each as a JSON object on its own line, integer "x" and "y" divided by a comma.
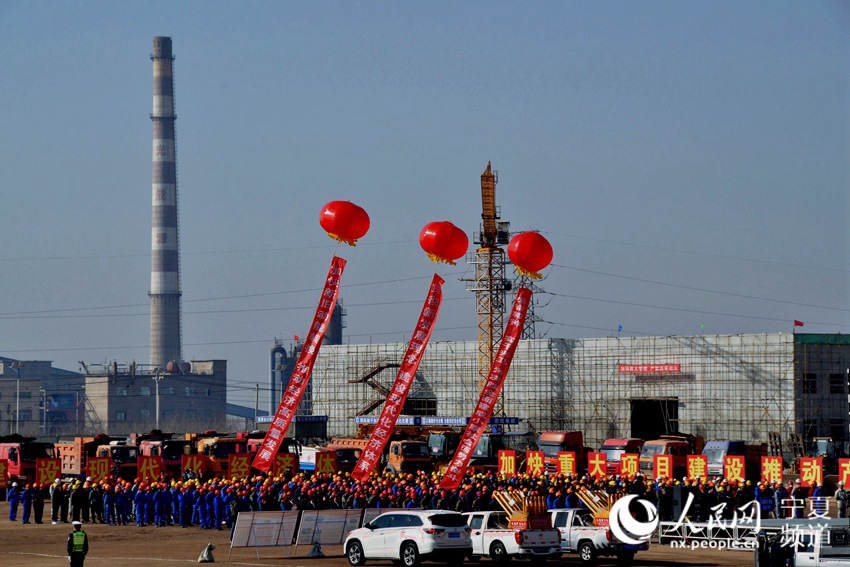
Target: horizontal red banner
{"x": 648, "y": 368}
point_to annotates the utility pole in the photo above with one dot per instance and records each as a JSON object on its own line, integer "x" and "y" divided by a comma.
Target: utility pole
{"x": 156, "y": 378}
{"x": 256, "y": 407}
{"x": 17, "y": 366}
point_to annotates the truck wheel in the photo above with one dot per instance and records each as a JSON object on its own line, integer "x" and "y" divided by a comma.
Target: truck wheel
{"x": 390, "y": 469}
{"x": 498, "y": 553}
{"x": 625, "y": 557}
{"x": 409, "y": 554}
{"x": 586, "y": 552}
{"x": 355, "y": 554}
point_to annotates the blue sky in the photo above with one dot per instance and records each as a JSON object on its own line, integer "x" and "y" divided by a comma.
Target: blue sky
{"x": 688, "y": 162}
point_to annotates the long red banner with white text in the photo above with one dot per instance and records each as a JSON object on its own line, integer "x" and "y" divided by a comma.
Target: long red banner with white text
{"x": 490, "y": 393}
{"x": 403, "y": 381}
{"x": 303, "y": 368}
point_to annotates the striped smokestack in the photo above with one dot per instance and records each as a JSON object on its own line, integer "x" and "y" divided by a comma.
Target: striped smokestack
{"x": 165, "y": 259}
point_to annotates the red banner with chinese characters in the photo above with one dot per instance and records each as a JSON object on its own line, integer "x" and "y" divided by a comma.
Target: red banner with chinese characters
{"x": 98, "y": 468}
{"x": 844, "y": 471}
{"x": 567, "y": 463}
{"x": 150, "y": 467}
{"x": 662, "y": 466}
{"x": 507, "y": 462}
{"x": 303, "y": 368}
{"x": 649, "y": 368}
{"x": 47, "y": 470}
{"x": 734, "y": 468}
{"x": 534, "y": 464}
{"x": 284, "y": 462}
{"x": 4, "y": 473}
{"x": 403, "y": 380}
{"x": 326, "y": 462}
{"x": 194, "y": 463}
{"x": 811, "y": 471}
{"x": 771, "y": 469}
{"x": 698, "y": 466}
{"x": 596, "y": 465}
{"x": 490, "y": 393}
{"x": 629, "y": 465}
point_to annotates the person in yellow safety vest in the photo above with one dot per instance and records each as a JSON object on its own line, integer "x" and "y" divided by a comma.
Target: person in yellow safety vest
{"x": 78, "y": 545}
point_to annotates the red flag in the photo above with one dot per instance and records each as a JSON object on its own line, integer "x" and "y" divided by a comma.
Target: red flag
{"x": 403, "y": 381}
{"x": 798, "y": 323}
{"x": 487, "y": 399}
{"x": 303, "y": 368}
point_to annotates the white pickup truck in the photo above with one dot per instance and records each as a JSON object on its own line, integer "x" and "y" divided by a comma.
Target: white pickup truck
{"x": 492, "y": 536}
{"x": 804, "y": 547}
{"x": 580, "y": 535}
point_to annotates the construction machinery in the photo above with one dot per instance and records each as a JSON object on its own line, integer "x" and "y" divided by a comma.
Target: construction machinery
{"x": 490, "y": 284}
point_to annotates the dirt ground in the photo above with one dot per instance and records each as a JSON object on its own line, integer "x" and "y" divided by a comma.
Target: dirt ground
{"x": 44, "y": 545}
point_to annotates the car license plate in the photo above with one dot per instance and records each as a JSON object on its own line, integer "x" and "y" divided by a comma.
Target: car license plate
{"x": 630, "y": 547}
{"x": 453, "y": 535}
{"x": 540, "y": 550}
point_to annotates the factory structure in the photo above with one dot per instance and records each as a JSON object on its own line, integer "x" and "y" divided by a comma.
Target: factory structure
{"x": 714, "y": 386}
{"x": 745, "y": 386}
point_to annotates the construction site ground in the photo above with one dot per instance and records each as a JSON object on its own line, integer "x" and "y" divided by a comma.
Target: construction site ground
{"x": 43, "y": 545}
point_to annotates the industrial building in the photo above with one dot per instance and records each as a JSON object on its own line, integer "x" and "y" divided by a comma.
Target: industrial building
{"x": 124, "y": 399}
{"x": 38, "y": 399}
{"x": 715, "y": 386}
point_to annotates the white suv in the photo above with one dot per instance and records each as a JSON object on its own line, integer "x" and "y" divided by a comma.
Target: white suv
{"x": 409, "y": 536}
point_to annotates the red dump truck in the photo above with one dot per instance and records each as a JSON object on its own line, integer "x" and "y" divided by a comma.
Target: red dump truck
{"x": 21, "y": 453}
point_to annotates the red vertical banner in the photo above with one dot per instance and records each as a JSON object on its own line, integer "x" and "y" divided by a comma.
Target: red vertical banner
{"x": 733, "y": 468}
{"x": 490, "y": 392}
{"x": 844, "y": 471}
{"x": 698, "y": 466}
{"x": 4, "y": 473}
{"x": 98, "y": 468}
{"x": 629, "y": 465}
{"x": 284, "y": 462}
{"x": 47, "y": 470}
{"x": 811, "y": 471}
{"x": 150, "y": 467}
{"x": 662, "y": 466}
{"x": 403, "y": 380}
{"x": 567, "y": 463}
{"x": 194, "y": 463}
{"x": 771, "y": 469}
{"x": 534, "y": 464}
{"x": 507, "y": 462}
{"x": 303, "y": 368}
{"x": 326, "y": 462}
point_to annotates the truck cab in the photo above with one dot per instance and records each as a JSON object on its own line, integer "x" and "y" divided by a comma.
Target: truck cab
{"x": 21, "y": 453}
{"x": 676, "y": 446}
{"x": 125, "y": 458}
{"x": 554, "y": 442}
{"x": 217, "y": 449}
{"x": 615, "y": 448}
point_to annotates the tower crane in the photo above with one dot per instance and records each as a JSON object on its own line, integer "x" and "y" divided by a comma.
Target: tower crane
{"x": 490, "y": 284}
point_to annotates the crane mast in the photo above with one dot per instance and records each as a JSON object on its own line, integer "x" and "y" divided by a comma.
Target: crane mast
{"x": 490, "y": 283}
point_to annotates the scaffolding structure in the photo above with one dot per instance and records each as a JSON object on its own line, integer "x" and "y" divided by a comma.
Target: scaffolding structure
{"x": 724, "y": 386}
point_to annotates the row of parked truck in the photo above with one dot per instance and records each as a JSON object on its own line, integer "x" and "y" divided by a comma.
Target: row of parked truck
{"x": 407, "y": 451}
{"x": 212, "y": 449}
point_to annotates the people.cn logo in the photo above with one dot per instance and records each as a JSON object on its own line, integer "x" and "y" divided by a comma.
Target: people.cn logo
{"x": 625, "y": 528}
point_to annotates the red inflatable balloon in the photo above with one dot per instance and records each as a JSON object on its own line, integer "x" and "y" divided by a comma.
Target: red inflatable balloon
{"x": 344, "y": 221}
{"x": 530, "y": 252}
{"x": 443, "y": 241}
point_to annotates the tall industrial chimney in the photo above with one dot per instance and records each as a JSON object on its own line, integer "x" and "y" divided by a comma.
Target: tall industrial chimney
{"x": 165, "y": 258}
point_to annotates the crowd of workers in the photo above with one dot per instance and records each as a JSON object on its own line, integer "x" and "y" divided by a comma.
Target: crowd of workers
{"x": 215, "y": 503}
